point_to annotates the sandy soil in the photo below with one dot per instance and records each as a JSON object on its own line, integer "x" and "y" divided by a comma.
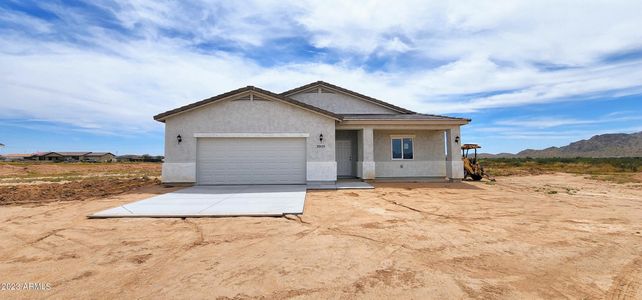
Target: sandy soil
{"x": 547, "y": 236}
{"x": 47, "y": 169}
{"x": 70, "y": 191}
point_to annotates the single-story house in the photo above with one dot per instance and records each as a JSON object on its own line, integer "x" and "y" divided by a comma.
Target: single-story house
{"x": 99, "y": 157}
{"x": 73, "y": 156}
{"x": 139, "y": 158}
{"x": 314, "y": 133}
{"x": 47, "y": 156}
{"x": 14, "y": 157}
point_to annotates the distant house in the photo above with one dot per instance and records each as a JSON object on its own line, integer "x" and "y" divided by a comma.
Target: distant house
{"x": 46, "y": 156}
{"x": 73, "y": 156}
{"x": 139, "y": 158}
{"x": 15, "y": 157}
{"x": 99, "y": 157}
{"x": 65, "y": 156}
{"x": 130, "y": 158}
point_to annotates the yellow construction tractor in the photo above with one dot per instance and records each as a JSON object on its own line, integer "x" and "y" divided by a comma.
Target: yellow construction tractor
{"x": 472, "y": 168}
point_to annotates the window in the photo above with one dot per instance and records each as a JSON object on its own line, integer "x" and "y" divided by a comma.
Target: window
{"x": 402, "y": 148}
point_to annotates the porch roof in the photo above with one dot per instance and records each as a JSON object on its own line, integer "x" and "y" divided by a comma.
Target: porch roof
{"x": 395, "y": 117}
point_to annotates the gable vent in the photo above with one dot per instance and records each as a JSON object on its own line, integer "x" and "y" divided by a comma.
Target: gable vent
{"x": 257, "y": 98}
{"x": 244, "y": 98}
{"x": 318, "y": 90}
{"x": 250, "y": 97}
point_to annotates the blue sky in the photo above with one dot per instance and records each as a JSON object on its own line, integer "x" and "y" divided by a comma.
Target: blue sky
{"x": 89, "y": 76}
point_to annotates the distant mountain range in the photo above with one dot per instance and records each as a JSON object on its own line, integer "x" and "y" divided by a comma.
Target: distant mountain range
{"x": 604, "y": 145}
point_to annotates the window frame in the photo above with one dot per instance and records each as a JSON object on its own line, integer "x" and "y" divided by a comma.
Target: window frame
{"x": 402, "y": 137}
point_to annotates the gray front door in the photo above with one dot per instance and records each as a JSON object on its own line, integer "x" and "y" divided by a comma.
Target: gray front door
{"x": 344, "y": 158}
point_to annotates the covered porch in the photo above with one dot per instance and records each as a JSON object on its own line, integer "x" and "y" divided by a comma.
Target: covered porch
{"x": 421, "y": 148}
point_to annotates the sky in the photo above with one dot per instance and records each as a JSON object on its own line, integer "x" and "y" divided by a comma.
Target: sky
{"x": 90, "y": 76}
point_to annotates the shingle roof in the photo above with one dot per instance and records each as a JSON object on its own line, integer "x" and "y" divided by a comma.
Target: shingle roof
{"x": 349, "y": 92}
{"x": 404, "y": 113}
{"x": 72, "y": 153}
{"x": 348, "y": 117}
{"x": 161, "y": 117}
{"x": 97, "y": 153}
{"x": 44, "y": 153}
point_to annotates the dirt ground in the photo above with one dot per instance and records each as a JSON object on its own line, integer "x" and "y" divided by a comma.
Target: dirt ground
{"x": 546, "y": 236}
{"x": 21, "y": 173}
{"x": 79, "y": 190}
{"x": 47, "y": 168}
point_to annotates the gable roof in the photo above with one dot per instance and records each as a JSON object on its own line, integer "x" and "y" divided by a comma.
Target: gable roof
{"x": 91, "y": 154}
{"x": 162, "y": 116}
{"x": 72, "y": 153}
{"x": 349, "y": 92}
{"x": 46, "y": 153}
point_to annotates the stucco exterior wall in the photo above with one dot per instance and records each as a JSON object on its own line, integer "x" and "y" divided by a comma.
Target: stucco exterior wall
{"x": 454, "y": 164}
{"x": 429, "y": 154}
{"x": 248, "y": 117}
{"x": 341, "y": 104}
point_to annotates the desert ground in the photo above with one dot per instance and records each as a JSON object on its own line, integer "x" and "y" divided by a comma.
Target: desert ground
{"x": 554, "y": 236}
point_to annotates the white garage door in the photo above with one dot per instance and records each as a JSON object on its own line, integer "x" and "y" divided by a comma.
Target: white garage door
{"x": 250, "y": 161}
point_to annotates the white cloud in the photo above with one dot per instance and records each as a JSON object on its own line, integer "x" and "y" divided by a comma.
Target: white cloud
{"x": 550, "y": 122}
{"x": 545, "y": 122}
{"x": 121, "y": 82}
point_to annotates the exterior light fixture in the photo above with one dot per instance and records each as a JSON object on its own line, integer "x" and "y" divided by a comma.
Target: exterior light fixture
{"x": 321, "y": 138}
{"x": 457, "y": 139}
{"x": 179, "y": 138}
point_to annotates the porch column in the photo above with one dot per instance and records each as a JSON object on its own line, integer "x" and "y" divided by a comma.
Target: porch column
{"x": 368, "y": 164}
{"x": 454, "y": 164}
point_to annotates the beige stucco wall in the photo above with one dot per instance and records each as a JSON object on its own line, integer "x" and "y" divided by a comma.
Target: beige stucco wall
{"x": 429, "y": 154}
{"x": 341, "y": 104}
{"x": 247, "y": 117}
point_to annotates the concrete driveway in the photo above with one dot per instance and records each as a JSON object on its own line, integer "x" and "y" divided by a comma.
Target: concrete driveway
{"x": 216, "y": 201}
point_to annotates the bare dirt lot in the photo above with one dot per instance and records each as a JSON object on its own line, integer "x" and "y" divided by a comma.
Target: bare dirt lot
{"x": 546, "y": 236}
{"x": 20, "y": 173}
{"x": 33, "y": 182}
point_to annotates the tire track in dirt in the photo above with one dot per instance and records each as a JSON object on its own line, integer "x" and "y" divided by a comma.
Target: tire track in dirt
{"x": 627, "y": 283}
{"x": 415, "y": 209}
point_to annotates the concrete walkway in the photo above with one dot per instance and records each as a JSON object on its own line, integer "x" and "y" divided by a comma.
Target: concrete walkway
{"x": 216, "y": 201}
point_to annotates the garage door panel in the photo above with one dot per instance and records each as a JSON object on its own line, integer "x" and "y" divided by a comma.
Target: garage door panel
{"x": 251, "y": 161}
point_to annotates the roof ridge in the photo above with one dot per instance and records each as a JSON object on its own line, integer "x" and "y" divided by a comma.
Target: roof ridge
{"x": 350, "y": 92}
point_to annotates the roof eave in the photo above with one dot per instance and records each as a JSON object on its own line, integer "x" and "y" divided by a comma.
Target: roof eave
{"x": 406, "y": 121}
{"x": 163, "y": 116}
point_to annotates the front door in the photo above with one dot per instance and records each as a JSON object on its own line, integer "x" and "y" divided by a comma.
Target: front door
{"x": 344, "y": 158}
